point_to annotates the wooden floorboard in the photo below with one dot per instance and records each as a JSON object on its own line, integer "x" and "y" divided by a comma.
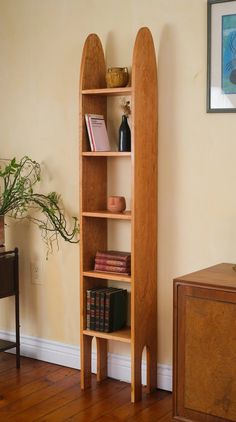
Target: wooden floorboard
{"x": 41, "y": 391}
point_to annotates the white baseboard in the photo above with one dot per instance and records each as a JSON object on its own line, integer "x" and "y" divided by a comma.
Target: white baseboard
{"x": 119, "y": 366}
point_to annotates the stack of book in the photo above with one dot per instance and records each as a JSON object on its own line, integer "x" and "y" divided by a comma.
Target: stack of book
{"x": 113, "y": 262}
{"x": 106, "y": 309}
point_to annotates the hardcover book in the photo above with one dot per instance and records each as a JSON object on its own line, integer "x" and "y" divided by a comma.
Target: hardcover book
{"x": 114, "y": 255}
{"x": 115, "y": 310}
{"x": 91, "y": 307}
{"x": 112, "y": 269}
{"x": 97, "y": 132}
{"x": 106, "y": 308}
{"x": 112, "y": 262}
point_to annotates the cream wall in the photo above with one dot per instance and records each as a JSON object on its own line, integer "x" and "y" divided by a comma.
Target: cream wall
{"x": 41, "y": 45}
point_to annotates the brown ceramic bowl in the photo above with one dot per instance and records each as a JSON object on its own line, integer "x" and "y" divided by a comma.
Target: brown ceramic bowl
{"x": 117, "y": 77}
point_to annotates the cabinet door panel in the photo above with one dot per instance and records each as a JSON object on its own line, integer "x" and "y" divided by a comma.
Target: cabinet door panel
{"x": 206, "y": 353}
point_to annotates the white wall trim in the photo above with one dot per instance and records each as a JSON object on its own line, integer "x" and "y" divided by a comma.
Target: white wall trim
{"x": 119, "y": 366}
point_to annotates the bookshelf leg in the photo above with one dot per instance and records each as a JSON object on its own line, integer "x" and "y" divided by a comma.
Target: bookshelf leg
{"x": 151, "y": 368}
{"x": 101, "y": 359}
{"x": 136, "y": 381}
{"x": 86, "y": 350}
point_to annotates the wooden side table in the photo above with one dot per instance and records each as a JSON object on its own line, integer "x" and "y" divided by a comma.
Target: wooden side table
{"x": 205, "y": 345}
{"x": 9, "y": 286}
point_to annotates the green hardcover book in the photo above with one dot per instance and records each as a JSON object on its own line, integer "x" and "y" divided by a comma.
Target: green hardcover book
{"x": 115, "y": 310}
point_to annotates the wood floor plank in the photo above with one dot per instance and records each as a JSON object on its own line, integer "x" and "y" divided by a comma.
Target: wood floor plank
{"x": 102, "y": 407}
{"x": 84, "y": 400}
{"x": 6, "y": 362}
{"x": 35, "y": 383}
{"x": 15, "y": 379}
{"x": 26, "y": 365}
{"x": 43, "y": 392}
{"x": 12, "y": 409}
{"x": 167, "y": 418}
{"x": 155, "y": 412}
{"x": 128, "y": 410}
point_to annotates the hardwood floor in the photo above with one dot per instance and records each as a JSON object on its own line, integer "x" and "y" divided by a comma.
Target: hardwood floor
{"x": 41, "y": 391}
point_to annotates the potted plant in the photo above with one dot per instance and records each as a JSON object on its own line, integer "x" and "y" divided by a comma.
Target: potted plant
{"x": 18, "y": 199}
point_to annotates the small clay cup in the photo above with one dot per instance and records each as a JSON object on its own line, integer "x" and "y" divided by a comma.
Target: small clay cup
{"x": 116, "y": 203}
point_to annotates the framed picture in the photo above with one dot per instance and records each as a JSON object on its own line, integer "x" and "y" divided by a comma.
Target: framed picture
{"x": 221, "y": 59}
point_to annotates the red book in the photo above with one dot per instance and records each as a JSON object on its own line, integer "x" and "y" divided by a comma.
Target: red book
{"x": 112, "y": 262}
{"x": 111, "y": 269}
{"x": 116, "y": 255}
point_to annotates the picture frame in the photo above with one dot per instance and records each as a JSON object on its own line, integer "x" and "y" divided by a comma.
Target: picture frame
{"x": 221, "y": 56}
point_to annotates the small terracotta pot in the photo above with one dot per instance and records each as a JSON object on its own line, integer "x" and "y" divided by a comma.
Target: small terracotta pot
{"x": 116, "y": 203}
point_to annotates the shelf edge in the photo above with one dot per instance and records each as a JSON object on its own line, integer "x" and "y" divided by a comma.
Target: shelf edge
{"x": 124, "y": 337}
{"x": 107, "y": 276}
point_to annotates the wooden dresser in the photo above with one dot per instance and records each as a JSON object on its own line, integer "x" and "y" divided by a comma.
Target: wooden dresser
{"x": 205, "y": 345}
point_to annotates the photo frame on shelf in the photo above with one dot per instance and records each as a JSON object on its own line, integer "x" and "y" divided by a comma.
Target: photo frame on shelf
{"x": 221, "y": 56}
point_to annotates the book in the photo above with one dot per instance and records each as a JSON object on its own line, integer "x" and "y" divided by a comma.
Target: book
{"x": 102, "y": 310}
{"x": 98, "y": 306}
{"x": 88, "y": 305}
{"x": 116, "y": 255}
{"x": 89, "y": 132}
{"x": 97, "y": 310}
{"x": 91, "y": 307}
{"x": 111, "y": 269}
{"x": 113, "y": 262}
{"x": 106, "y": 308}
{"x": 102, "y": 295}
{"x": 115, "y": 310}
{"x": 97, "y": 132}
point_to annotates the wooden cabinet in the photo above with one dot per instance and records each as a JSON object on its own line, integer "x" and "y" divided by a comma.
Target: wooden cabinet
{"x": 142, "y": 218}
{"x": 205, "y": 345}
{"x": 9, "y": 286}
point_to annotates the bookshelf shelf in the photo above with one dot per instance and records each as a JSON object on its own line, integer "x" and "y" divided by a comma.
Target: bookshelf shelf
{"x": 123, "y": 335}
{"x": 106, "y": 154}
{"x": 107, "y": 276}
{"x": 126, "y": 215}
{"x": 97, "y": 176}
{"x": 108, "y": 91}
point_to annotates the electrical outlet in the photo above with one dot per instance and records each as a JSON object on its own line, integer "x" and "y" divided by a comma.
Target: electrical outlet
{"x": 36, "y": 273}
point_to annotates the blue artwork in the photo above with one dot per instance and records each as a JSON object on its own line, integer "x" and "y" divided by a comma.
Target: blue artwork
{"x": 229, "y": 54}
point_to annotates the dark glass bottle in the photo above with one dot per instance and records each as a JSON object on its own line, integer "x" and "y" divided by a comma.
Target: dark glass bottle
{"x": 124, "y": 135}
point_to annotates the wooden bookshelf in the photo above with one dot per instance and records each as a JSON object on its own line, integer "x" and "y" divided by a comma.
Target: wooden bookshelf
{"x": 142, "y": 221}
